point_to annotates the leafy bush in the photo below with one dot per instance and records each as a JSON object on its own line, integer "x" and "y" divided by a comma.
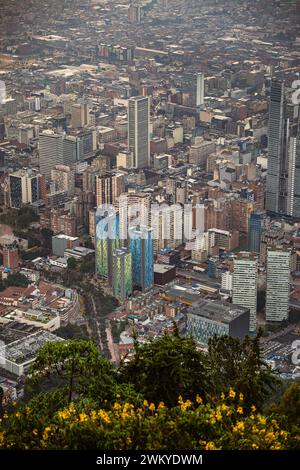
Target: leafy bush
{"x": 187, "y": 426}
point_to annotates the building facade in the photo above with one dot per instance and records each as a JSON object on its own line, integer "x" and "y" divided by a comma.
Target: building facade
{"x": 139, "y": 130}
{"x": 244, "y": 284}
{"x": 141, "y": 249}
{"x": 122, "y": 274}
{"x": 278, "y": 284}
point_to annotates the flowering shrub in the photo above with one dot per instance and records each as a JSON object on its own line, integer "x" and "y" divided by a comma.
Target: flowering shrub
{"x": 189, "y": 425}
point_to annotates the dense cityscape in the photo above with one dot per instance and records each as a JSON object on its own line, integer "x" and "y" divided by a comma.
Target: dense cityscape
{"x": 149, "y": 179}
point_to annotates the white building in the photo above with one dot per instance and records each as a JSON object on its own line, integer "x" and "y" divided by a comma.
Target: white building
{"x": 278, "y": 284}
{"x": 244, "y": 284}
{"x": 139, "y": 130}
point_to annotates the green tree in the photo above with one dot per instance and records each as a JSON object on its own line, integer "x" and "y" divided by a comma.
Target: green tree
{"x": 16, "y": 279}
{"x": 165, "y": 368}
{"x": 238, "y": 364}
{"x": 81, "y": 371}
{"x": 72, "y": 263}
{"x": 289, "y": 404}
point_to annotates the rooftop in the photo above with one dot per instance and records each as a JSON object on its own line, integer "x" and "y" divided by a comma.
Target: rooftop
{"x": 216, "y": 310}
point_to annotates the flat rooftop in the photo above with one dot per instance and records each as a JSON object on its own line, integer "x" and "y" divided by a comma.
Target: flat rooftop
{"x": 162, "y": 268}
{"x": 217, "y": 310}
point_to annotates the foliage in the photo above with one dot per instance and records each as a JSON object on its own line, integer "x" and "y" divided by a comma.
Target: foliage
{"x": 21, "y": 218}
{"x": 72, "y": 332}
{"x": 238, "y": 364}
{"x": 83, "y": 372}
{"x": 72, "y": 263}
{"x": 289, "y": 405}
{"x": 186, "y": 426}
{"x": 165, "y": 368}
{"x": 17, "y": 279}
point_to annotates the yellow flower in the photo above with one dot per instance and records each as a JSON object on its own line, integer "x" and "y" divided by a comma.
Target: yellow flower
{"x": 145, "y": 403}
{"x": 161, "y": 405}
{"x": 276, "y": 446}
{"x": 269, "y": 437}
{"x": 185, "y": 405}
{"x": 1, "y": 438}
{"x": 241, "y": 397}
{"x": 117, "y": 406}
{"x": 18, "y": 414}
{"x": 218, "y": 415}
{"x": 254, "y": 446}
{"x": 93, "y": 415}
{"x": 239, "y": 427}
{"x": 199, "y": 400}
{"x": 46, "y": 433}
{"x": 152, "y": 407}
{"x": 104, "y": 416}
{"x": 210, "y": 446}
{"x": 262, "y": 420}
{"x": 231, "y": 393}
{"x": 35, "y": 432}
{"x": 224, "y": 407}
{"x": 222, "y": 396}
{"x": 83, "y": 417}
{"x": 283, "y": 434}
{"x": 253, "y": 408}
{"x": 240, "y": 410}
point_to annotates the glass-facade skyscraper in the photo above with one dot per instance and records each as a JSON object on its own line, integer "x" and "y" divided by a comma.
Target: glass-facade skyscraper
{"x": 256, "y": 227}
{"x": 122, "y": 274}
{"x": 282, "y": 190}
{"x": 107, "y": 241}
{"x": 141, "y": 249}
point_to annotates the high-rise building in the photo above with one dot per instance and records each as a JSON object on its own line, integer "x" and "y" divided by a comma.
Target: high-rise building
{"x": 139, "y": 130}
{"x": 122, "y": 274}
{"x": 282, "y": 192}
{"x": 256, "y": 227}
{"x": 109, "y": 186}
{"x": 244, "y": 284}
{"x": 80, "y": 115}
{"x": 199, "y": 89}
{"x": 107, "y": 241}
{"x": 134, "y": 209}
{"x": 134, "y": 13}
{"x": 64, "y": 178}
{"x": 50, "y": 151}
{"x": 278, "y": 284}
{"x": 141, "y": 249}
{"x": 23, "y": 188}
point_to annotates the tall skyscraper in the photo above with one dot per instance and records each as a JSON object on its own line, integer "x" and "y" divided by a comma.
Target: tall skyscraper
{"x": 122, "y": 274}
{"x": 109, "y": 186}
{"x": 139, "y": 130}
{"x": 50, "y": 151}
{"x": 199, "y": 89}
{"x": 282, "y": 192}
{"x": 141, "y": 249}
{"x": 278, "y": 284}
{"x": 23, "y": 188}
{"x": 244, "y": 284}
{"x": 107, "y": 241}
{"x": 256, "y": 226}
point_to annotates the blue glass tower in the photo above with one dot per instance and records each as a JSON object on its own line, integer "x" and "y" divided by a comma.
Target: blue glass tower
{"x": 141, "y": 249}
{"x": 256, "y": 227}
